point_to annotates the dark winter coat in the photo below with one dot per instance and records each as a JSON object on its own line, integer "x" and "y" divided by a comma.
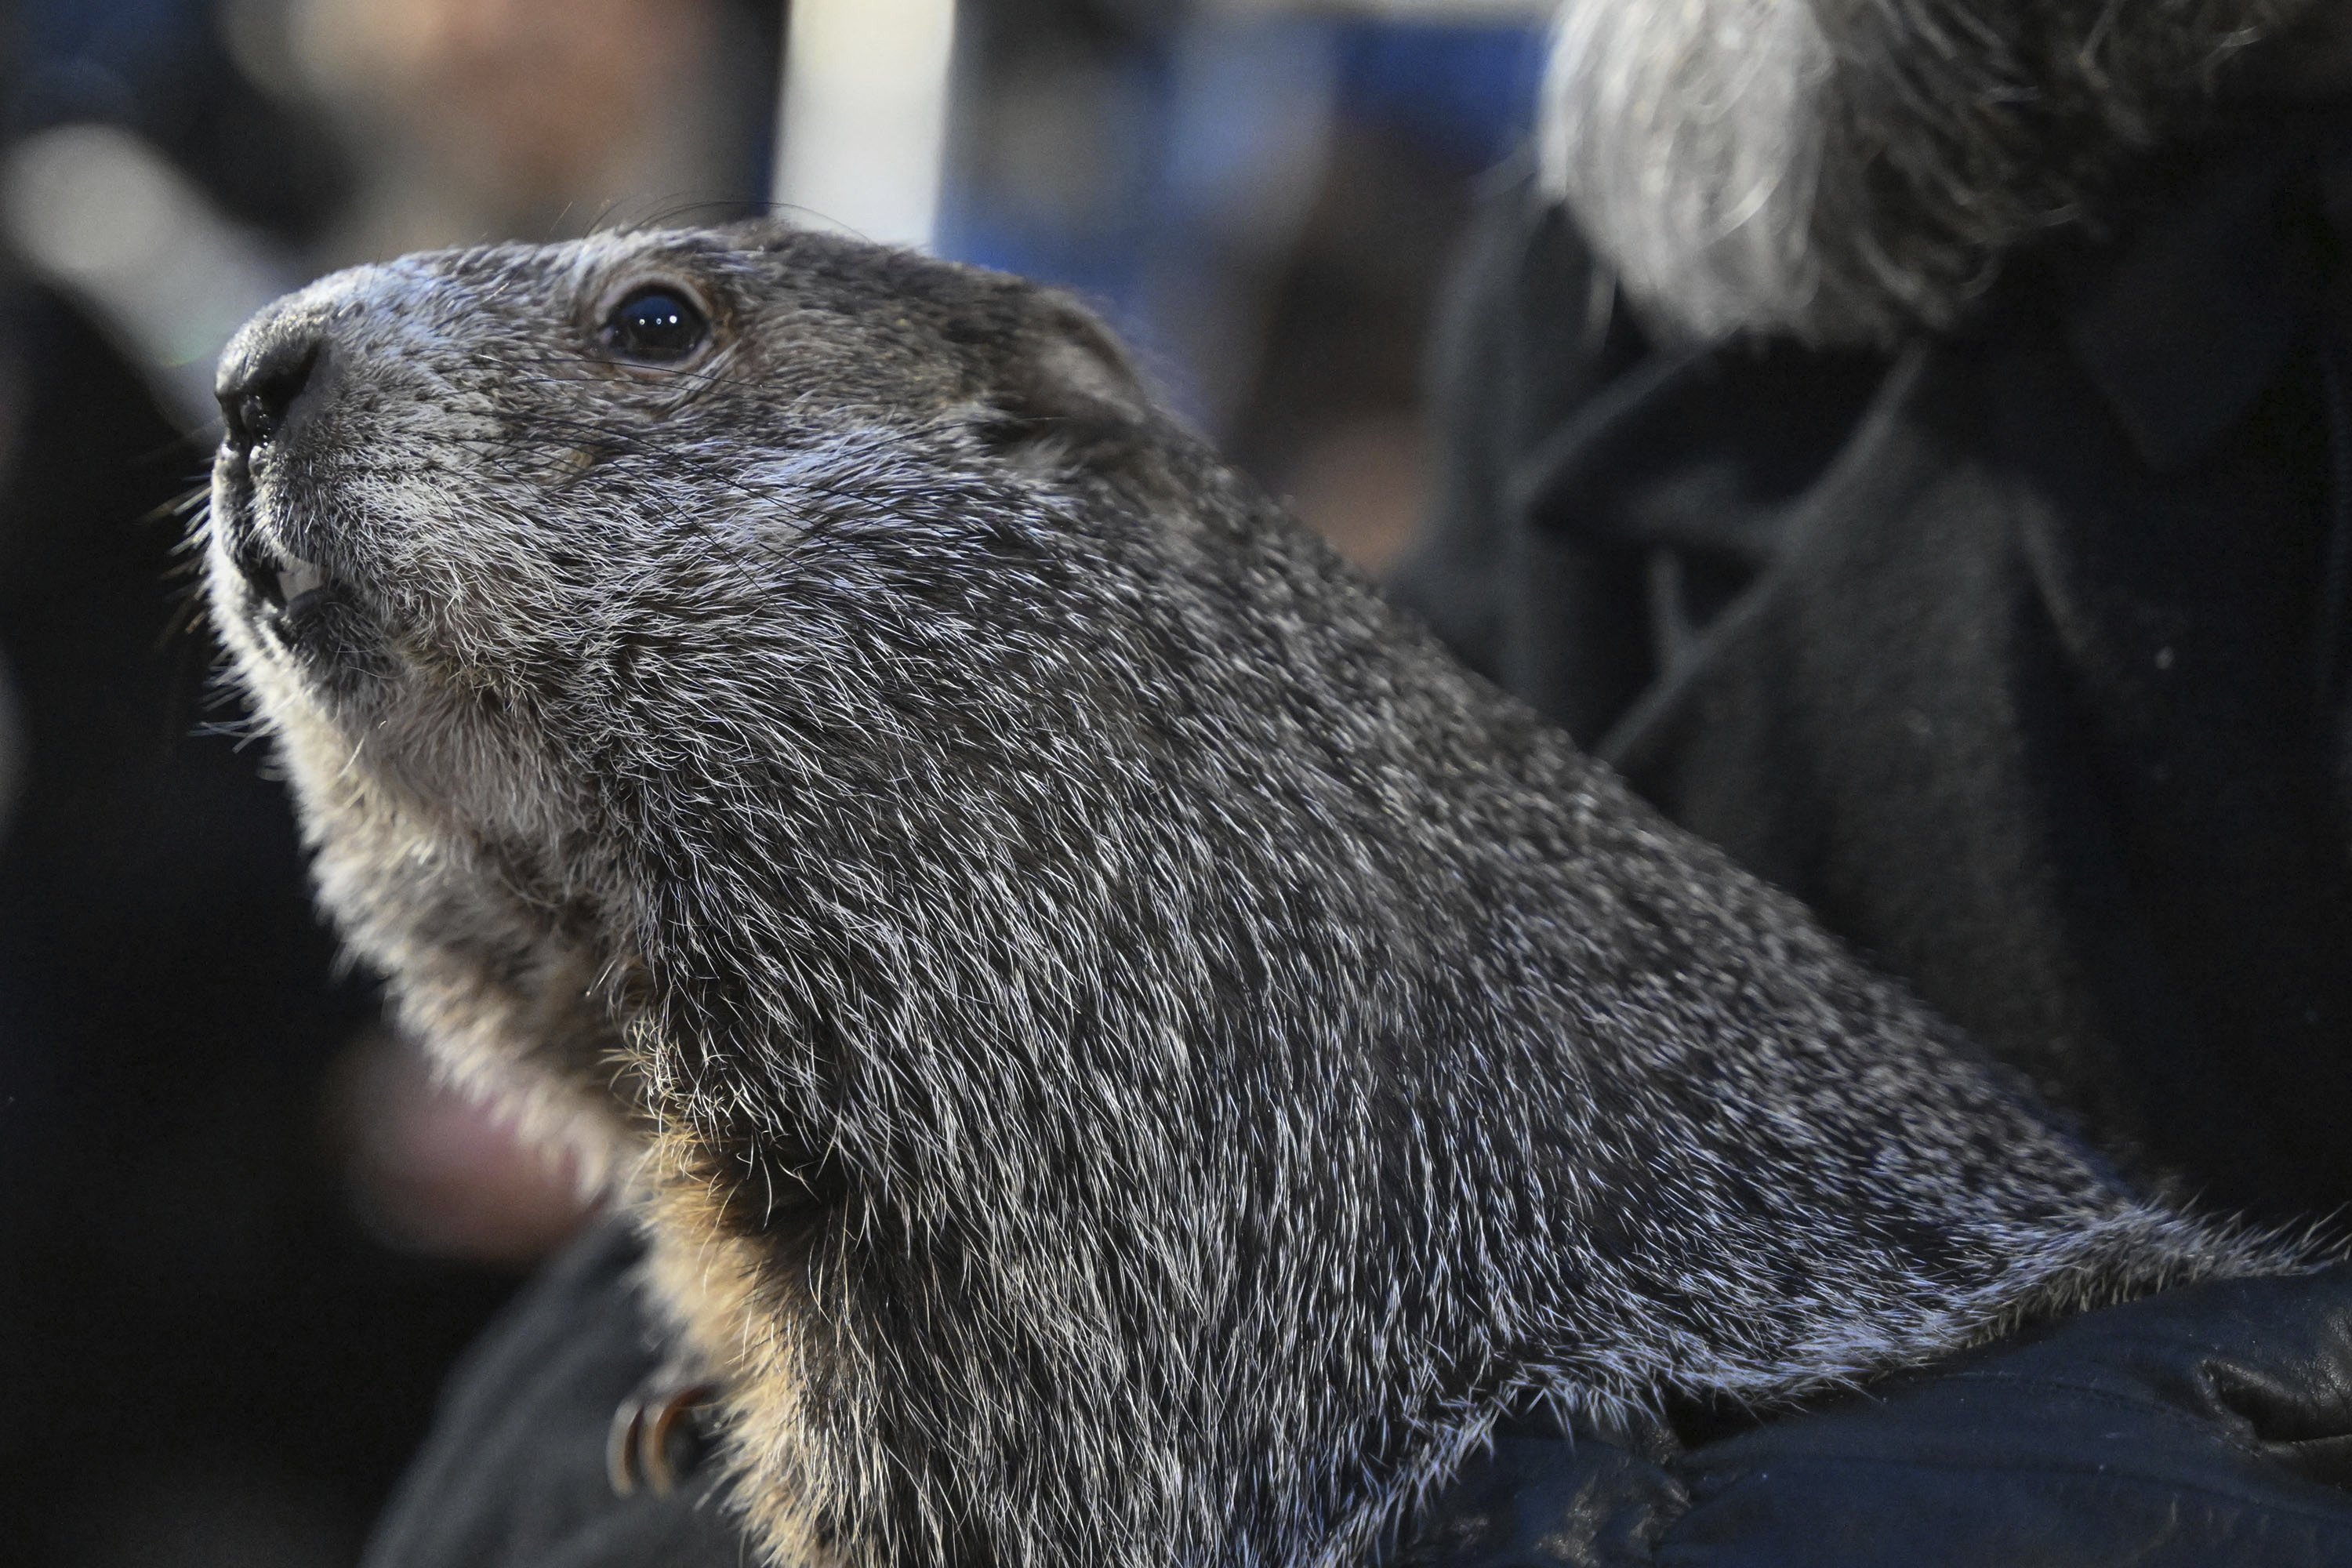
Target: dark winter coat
{"x": 2018, "y": 653}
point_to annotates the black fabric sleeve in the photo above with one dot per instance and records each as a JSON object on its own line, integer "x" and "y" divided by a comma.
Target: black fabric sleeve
{"x": 2208, "y": 1427}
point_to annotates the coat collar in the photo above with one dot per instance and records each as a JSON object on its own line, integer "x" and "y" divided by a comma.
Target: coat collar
{"x": 2197, "y": 315}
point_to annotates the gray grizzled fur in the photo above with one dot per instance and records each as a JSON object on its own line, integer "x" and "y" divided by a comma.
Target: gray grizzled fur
{"x": 1124, "y": 1051}
{"x": 1842, "y": 171}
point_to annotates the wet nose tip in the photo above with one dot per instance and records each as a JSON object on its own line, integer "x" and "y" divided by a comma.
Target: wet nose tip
{"x": 258, "y": 393}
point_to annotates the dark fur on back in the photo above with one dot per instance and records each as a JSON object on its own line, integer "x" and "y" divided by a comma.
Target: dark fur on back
{"x": 1124, "y": 1050}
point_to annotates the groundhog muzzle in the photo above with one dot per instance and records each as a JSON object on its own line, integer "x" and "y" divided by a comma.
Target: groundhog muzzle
{"x": 1124, "y": 1051}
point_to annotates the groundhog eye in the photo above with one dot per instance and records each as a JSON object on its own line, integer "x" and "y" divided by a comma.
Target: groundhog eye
{"x": 656, "y": 325}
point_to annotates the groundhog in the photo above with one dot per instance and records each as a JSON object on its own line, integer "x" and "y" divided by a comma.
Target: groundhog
{"x": 1122, "y": 1049}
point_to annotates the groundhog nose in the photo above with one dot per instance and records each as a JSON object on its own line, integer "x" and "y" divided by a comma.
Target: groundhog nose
{"x": 259, "y": 390}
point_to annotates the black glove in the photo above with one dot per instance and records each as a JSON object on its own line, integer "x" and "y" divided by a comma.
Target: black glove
{"x": 2211, "y": 1425}
{"x": 518, "y": 1471}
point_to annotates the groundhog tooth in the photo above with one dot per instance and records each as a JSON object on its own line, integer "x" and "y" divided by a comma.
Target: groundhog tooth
{"x": 298, "y": 578}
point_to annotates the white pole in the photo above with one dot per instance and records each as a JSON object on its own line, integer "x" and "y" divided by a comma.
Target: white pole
{"x": 863, "y": 130}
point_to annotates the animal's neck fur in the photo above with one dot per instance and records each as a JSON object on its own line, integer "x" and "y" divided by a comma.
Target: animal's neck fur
{"x": 1844, "y": 171}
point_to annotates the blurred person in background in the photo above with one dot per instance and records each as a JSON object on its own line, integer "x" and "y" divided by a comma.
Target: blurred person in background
{"x": 476, "y": 119}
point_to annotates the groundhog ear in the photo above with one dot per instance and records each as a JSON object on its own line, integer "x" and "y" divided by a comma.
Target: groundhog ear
{"x": 1068, "y": 379}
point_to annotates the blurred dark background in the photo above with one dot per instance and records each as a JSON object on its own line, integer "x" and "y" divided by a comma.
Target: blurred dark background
{"x": 243, "y": 1233}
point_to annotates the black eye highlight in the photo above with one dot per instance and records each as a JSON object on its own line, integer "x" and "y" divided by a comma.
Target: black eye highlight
{"x": 656, "y": 325}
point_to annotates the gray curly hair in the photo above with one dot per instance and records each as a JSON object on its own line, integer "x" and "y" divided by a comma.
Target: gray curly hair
{"x": 1842, "y": 171}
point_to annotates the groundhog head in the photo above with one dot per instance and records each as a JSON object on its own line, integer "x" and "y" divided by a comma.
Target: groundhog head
{"x": 494, "y": 529}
